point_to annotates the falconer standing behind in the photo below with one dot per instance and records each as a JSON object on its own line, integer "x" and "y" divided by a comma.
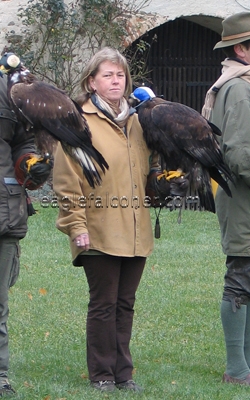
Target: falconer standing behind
{"x": 109, "y": 227}
{"x": 227, "y": 105}
{"x": 17, "y": 150}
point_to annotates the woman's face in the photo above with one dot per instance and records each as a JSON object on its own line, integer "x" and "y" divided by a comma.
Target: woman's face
{"x": 109, "y": 82}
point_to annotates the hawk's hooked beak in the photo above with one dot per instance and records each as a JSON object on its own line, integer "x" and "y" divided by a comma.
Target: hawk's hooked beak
{"x": 132, "y": 96}
{"x": 133, "y": 101}
{"x": 1, "y": 70}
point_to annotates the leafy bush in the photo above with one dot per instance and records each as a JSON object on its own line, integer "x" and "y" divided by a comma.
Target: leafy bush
{"x": 60, "y": 38}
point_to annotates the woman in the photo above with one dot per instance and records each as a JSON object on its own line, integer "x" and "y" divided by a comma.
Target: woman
{"x": 109, "y": 227}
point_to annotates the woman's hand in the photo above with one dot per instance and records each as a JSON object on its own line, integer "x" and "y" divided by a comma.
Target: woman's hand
{"x": 82, "y": 241}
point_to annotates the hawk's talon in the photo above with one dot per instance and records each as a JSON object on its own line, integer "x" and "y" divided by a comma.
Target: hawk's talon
{"x": 33, "y": 160}
{"x": 168, "y": 175}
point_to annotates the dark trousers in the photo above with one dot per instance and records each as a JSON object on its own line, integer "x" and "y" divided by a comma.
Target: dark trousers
{"x": 9, "y": 271}
{"x": 237, "y": 280}
{"x": 112, "y": 285}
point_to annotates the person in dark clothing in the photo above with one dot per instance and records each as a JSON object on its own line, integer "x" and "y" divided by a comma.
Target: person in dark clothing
{"x": 17, "y": 148}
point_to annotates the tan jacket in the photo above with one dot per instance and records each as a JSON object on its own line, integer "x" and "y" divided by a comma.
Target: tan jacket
{"x": 116, "y": 214}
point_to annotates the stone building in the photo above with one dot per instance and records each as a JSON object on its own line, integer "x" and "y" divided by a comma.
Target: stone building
{"x": 181, "y": 34}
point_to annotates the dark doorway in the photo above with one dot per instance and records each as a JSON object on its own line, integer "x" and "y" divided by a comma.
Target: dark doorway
{"x": 181, "y": 62}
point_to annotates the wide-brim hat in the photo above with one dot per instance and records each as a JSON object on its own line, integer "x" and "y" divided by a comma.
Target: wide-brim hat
{"x": 236, "y": 29}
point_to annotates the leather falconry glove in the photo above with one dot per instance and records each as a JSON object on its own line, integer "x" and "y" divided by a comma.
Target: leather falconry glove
{"x": 162, "y": 185}
{"x": 33, "y": 170}
{"x": 39, "y": 168}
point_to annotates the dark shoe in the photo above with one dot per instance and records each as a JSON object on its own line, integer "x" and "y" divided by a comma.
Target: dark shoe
{"x": 129, "y": 385}
{"x": 6, "y": 390}
{"x": 104, "y": 386}
{"x": 229, "y": 379}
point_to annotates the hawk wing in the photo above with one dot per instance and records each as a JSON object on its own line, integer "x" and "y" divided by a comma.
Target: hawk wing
{"x": 42, "y": 105}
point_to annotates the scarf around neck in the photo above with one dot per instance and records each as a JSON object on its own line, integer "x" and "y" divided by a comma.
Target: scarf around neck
{"x": 118, "y": 115}
{"x": 230, "y": 69}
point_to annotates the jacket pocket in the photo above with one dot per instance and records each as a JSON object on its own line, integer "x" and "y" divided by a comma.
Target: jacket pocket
{"x": 13, "y": 205}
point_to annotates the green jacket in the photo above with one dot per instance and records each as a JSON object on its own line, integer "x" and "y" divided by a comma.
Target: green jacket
{"x": 232, "y": 115}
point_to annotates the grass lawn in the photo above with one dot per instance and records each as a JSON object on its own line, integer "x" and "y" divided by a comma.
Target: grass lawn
{"x": 177, "y": 343}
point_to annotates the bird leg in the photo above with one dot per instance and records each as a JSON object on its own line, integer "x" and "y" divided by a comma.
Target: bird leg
{"x": 168, "y": 175}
